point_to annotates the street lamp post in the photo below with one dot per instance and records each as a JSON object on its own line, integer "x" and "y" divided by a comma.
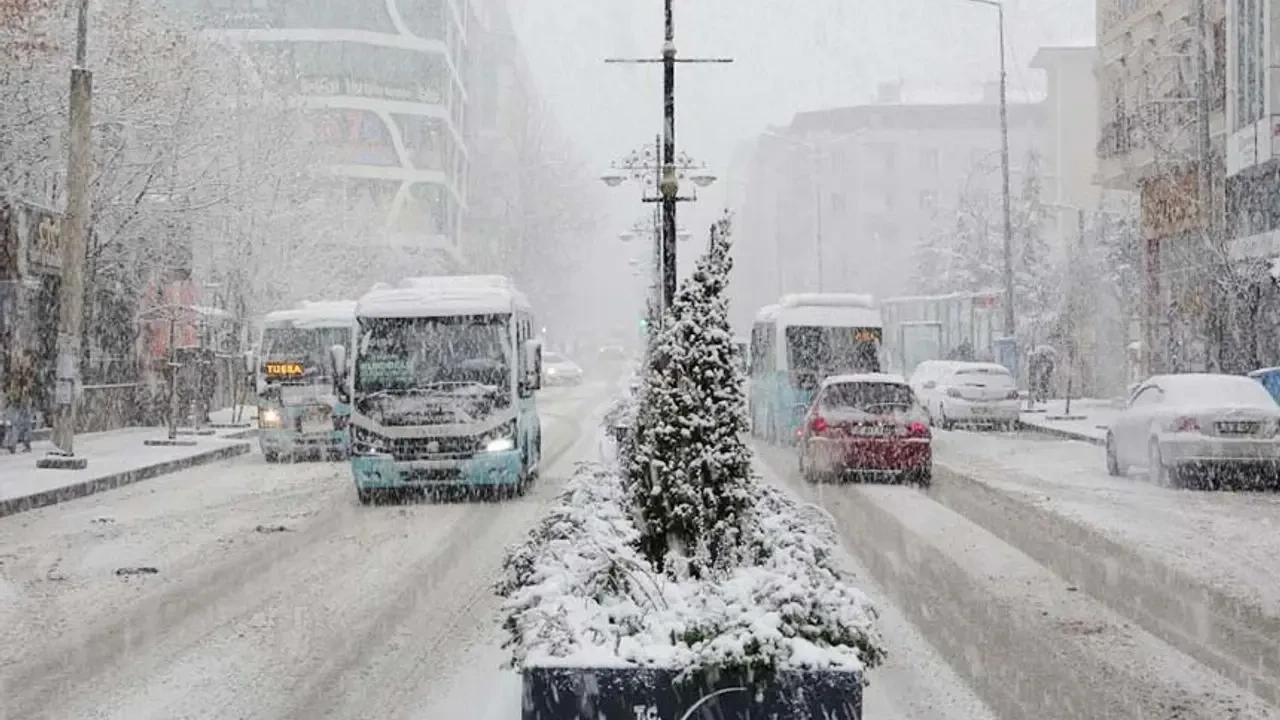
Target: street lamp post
{"x": 669, "y": 181}
{"x": 1004, "y": 169}
{"x": 648, "y": 166}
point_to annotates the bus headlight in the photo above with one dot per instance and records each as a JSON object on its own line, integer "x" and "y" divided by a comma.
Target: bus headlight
{"x": 268, "y": 417}
{"x": 500, "y": 445}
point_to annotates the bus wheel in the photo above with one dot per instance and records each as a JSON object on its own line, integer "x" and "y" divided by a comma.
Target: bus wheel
{"x": 367, "y": 496}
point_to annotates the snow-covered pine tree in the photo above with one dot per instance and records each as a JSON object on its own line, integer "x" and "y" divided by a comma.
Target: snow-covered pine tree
{"x": 1037, "y": 273}
{"x": 689, "y": 470}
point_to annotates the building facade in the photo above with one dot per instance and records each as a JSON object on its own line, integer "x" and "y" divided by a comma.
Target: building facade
{"x": 840, "y": 199}
{"x": 385, "y": 84}
{"x": 1147, "y": 111}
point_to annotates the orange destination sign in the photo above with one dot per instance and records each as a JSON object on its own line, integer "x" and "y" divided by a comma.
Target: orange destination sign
{"x": 286, "y": 369}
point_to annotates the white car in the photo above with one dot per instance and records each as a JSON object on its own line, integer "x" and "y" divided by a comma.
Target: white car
{"x": 1177, "y": 424}
{"x": 560, "y": 370}
{"x": 973, "y": 393}
{"x": 925, "y": 377}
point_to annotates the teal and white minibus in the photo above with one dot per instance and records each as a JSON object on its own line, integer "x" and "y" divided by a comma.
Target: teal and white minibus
{"x": 796, "y": 344}
{"x": 298, "y": 410}
{"x": 444, "y": 376}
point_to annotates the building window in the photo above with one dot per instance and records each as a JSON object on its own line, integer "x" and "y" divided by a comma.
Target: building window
{"x": 929, "y": 159}
{"x": 837, "y": 203}
{"x": 928, "y": 200}
{"x": 1250, "y": 62}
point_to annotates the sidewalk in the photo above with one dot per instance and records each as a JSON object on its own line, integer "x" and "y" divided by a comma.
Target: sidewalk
{"x": 1088, "y": 421}
{"x": 116, "y": 458}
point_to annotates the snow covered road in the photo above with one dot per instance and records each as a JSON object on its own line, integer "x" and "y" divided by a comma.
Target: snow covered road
{"x": 1201, "y": 570}
{"x": 275, "y": 594}
{"x": 1027, "y": 642}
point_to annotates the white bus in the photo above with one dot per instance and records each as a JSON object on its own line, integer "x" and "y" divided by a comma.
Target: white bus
{"x": 298, "y": 410}
{"x": 796, "y": 344}
{"x": 444, "y": 376}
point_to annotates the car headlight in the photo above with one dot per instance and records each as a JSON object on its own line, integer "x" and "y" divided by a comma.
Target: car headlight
{"x": 500, "y": 445}
{"x": 551, "y": 371}
{"x": 268, "y": 417}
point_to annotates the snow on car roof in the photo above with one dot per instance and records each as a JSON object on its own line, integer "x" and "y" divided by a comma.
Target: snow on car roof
{"x": 891, "y": 378}
{"x": 443, "y": 296}
{"x": 959, "y": 367}
{"x": 1211, "y": 388}
{"x": 314, "y": 314}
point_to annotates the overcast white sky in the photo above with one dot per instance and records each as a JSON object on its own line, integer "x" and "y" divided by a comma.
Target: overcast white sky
{"x": 790, "y": 56}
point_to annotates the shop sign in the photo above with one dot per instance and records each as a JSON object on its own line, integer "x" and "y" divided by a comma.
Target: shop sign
{"x": 44, "y": 240}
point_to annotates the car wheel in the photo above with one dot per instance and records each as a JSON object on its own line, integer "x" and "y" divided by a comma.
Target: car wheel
{"x": 1161, "y": 475}
{"x": 922, "y": 477}
{"x": 806, "y": 470}
{"x": 271, "y": 456}
{"x": 1114, "y": 468}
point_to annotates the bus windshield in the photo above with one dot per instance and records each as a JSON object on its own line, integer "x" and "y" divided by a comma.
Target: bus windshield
{"x": 400, "y": 354}
{"x": 825, "y": 351}
{"x": 309, "y": 346}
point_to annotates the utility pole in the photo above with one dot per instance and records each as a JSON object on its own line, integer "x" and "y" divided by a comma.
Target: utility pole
{"x": 669, "y": 182}
{"x": 1009, "y": 326}
{"x": 75, "y": 231}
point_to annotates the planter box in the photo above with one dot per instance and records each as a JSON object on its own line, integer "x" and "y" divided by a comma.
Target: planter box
{"x": 655, "y": 694}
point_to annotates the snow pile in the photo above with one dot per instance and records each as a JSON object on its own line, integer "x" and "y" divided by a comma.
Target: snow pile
{"x": 578, "y": 593}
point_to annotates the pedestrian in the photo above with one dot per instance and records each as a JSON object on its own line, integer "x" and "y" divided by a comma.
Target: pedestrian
{"x": 19, "y": 395}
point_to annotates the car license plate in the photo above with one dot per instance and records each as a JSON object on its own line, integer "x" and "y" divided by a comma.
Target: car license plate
{"x": 1237, "y": 428}
{"x": 871, "y": 430}
{"x": 980, "y": 410}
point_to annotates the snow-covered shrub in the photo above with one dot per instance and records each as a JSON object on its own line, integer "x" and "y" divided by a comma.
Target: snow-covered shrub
{"x": 578, "y": 594}
{"x": 688, "y": 468}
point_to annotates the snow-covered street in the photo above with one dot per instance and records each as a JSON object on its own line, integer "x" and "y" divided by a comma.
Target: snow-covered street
{"x": 246, "y": 589}
{"x": 1028, "y": 641}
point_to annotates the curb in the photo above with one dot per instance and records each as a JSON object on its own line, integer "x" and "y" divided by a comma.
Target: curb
{"x": 112, "y": 481}
{"x": 1060, "y": 433}
{"x": 1231, "y": 635}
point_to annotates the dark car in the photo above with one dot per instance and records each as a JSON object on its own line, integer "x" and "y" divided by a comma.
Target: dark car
{"x": 866, "y": 424}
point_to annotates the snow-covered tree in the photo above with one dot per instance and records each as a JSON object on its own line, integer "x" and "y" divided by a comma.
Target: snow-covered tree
{"x": 689, "y": 469}
{"x": 1037, "y": 272}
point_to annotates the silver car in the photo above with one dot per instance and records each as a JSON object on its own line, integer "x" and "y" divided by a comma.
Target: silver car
{"x": 560, "y": 370}
{"x": 1200, "y": 427}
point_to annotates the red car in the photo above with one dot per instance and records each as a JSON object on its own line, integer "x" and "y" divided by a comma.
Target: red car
{"x": 866, "y": 424}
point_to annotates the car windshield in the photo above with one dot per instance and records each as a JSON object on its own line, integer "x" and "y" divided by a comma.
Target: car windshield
{"x": 867, "y": 396}
{"x": 397, "y": 354}
{"x": 553, "y": 357}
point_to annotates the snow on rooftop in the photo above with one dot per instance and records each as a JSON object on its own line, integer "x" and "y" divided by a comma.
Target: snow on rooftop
{"x": 441, "y": 296}
{"x": 314, "y": 314}
{"x": 827, "y": 300}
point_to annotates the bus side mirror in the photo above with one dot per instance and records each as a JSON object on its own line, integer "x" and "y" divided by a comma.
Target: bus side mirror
{"x": 249, "y": 365}
{"x": 338, "y": 359}
{"x": 533, "y": 365}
